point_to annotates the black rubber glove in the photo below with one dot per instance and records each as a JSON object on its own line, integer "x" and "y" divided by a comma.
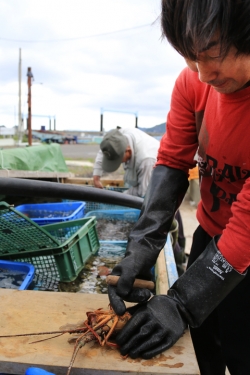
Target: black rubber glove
{"x": 164, "y": 195}
{"x": 160, "y": 322}
{"x": 129, "y": 269}
{"x": 153, "y": 328}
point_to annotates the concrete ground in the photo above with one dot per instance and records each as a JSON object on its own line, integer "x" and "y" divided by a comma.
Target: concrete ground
{"x": 80, "y": 151}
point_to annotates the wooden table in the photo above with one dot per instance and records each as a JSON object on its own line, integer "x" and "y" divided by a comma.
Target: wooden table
{"x": 34, "y": 311}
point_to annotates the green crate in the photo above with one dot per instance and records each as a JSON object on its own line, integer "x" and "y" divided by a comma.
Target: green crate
{"x": 75, "y": 240}
{"x": 67, "y": 265}
{"x": 18, "y": 234}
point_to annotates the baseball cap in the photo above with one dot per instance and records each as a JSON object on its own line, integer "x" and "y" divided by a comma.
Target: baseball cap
{"x": 113, "y": 146}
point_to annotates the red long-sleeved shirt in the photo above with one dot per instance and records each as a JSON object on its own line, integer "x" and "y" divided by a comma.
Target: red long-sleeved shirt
{"x": 214, "y": 129}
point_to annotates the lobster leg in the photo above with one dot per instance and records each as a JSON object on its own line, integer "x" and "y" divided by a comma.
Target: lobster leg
{"x": 105, "y": 341}
{"x": 78, "y": 345}
{"x": 103, "y": 322}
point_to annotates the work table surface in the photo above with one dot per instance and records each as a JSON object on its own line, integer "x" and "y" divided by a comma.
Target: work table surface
{"x": 35, "y": 311}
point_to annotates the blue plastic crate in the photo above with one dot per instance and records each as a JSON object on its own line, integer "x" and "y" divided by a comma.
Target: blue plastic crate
{"x": 50, "y": 213}
{"x": 131, "y": 214}
{"x": 118, "y": 223}
{"x": 11, "y": 269}
{"x": 93, "y": 206}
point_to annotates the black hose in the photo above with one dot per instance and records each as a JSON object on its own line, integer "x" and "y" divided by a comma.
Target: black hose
{"x": 34, "y": 188}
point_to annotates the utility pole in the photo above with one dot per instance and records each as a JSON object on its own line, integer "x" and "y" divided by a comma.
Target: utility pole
{"x": 101, "y": 125}
{"x": 30, "y": 77}
{"x": 114, "y": 110}
{"x": 19, "y": 97}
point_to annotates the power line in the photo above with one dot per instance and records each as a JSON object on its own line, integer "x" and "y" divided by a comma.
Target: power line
{"x": 75, "y": 38}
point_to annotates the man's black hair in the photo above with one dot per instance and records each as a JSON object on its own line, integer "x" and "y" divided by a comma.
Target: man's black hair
{"x": 189, "y": 25}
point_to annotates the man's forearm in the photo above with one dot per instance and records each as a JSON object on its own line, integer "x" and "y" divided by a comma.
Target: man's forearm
{"x": 97, "y": 182}
{"x": 97, "y": 170}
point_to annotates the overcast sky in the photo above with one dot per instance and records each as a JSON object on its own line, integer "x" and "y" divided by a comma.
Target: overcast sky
{"x": 86, "y": 55}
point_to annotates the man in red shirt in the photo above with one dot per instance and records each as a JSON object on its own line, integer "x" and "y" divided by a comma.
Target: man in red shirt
{"x": 208, "y": 124}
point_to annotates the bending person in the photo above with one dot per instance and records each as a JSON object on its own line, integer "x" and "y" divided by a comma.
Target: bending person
{"x": 208, "y": 123}
{"x": 137, "y": 151}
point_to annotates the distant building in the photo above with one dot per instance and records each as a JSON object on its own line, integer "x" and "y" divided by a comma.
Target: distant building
{"x": 7, "y": 131}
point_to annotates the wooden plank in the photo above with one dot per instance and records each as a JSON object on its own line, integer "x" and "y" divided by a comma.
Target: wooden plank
{"x": 34, "y": 311}
{"x": 89, "y": 181}
{"x": 171, "y": 269}
{"x": 161, "y": 275}
{"x": 193, "y": 174}
{"x": 33, "y": 174}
